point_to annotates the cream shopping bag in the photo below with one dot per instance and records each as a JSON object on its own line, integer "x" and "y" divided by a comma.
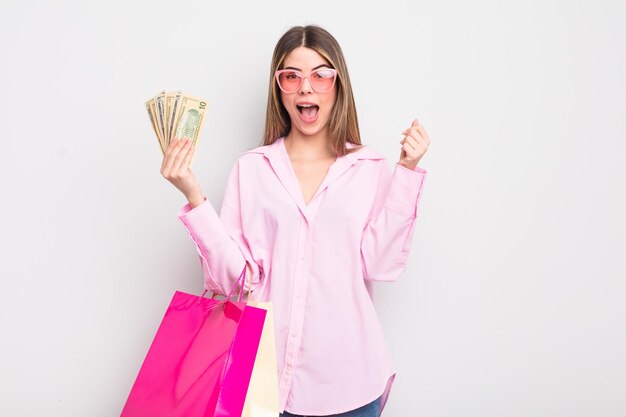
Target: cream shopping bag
{"x": 262, "y": 396}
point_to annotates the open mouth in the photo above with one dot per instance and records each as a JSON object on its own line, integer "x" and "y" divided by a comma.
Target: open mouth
{"x": 308, "y": 111}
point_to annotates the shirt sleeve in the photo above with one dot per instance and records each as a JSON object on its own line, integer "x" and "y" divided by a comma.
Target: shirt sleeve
{"x": 220, "y": 242}
{"x": 386, "y": 240}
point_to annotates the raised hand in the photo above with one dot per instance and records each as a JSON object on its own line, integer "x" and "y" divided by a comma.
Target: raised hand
{"x": 175, "y": 168}
{"x": 414, "y": 145}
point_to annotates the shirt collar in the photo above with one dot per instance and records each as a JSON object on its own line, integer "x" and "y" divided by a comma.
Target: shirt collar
{"x": 276, "y": 154}
{"x": 273, "y": 150}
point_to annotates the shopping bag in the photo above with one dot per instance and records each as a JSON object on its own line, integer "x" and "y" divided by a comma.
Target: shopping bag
{"x": 262, "y": 396}
{"x": 200, "y": 361}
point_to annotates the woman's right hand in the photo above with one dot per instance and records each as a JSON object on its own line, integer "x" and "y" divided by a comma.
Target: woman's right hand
{"x": 175, "y": 168}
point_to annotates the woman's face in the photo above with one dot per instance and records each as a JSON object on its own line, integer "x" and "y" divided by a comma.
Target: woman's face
{"x": 310, "y": 121}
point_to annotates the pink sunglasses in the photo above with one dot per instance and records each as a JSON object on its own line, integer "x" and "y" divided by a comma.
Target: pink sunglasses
{"x": 321, "y": 79}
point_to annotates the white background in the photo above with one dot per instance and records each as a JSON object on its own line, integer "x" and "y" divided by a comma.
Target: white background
{"x": 513, "y": 303}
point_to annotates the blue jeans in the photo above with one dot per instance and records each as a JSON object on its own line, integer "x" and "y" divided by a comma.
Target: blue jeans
{"x": 368, "y": 410}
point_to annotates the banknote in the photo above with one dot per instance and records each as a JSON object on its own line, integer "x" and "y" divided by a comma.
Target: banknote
{"x": 151, "y": 106}
{"x": 177, "y": 115}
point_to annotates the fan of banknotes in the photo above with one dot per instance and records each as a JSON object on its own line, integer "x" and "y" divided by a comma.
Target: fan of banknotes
{"x": 176, "y": 115}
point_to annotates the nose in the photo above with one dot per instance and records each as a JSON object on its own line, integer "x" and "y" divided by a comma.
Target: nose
{"x": 305, "y": 86}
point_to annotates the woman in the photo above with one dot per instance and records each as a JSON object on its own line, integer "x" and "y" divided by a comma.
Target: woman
{"x": 318, "y": 217}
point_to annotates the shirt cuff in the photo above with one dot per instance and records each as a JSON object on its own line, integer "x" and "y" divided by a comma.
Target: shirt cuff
{"x": 187, "y": 208}
{"x": 203, "y": 224}
{"x": 405, "y": 189}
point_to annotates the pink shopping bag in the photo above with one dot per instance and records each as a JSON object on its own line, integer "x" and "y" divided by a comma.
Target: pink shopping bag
{"x": 200, "y": 361}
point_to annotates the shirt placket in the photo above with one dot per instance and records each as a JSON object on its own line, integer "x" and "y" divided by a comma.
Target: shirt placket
{"x": 298, "y": 305}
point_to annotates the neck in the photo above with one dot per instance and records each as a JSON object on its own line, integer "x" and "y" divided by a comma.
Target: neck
{"x": 301, "y": 146}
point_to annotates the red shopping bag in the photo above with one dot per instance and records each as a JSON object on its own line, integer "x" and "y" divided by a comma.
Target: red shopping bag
{"x": 200, "y": 361}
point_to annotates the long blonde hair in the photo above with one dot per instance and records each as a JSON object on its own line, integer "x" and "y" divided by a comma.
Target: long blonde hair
{"x": 343, "y": 125}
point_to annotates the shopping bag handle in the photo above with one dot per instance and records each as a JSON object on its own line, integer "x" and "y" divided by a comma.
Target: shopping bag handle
{"x": 241, "y": 277}
{"x": 238, "y": 283}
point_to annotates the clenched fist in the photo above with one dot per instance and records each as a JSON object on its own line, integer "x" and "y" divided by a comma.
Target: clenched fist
{"x": 414, "y": 145}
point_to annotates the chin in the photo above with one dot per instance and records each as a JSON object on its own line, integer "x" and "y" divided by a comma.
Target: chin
{"x": 312, "y": 129}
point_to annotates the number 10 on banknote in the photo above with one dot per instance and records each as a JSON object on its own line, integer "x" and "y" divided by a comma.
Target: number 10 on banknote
{"x": 177, "y": 115}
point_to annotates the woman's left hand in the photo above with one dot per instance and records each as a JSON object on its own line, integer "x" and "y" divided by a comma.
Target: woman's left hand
{"x": 414, "y": 145}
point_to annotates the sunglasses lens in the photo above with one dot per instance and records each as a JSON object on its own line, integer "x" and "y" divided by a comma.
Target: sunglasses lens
{"x": 322, "y": 80}
{"x": 289, "y": 81}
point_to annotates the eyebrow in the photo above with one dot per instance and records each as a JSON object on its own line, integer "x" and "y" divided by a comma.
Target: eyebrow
{"x": 298, "y": 69}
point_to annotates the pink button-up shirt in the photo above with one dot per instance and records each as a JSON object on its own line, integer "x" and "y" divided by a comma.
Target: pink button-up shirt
{"x": 316, "y": 263}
